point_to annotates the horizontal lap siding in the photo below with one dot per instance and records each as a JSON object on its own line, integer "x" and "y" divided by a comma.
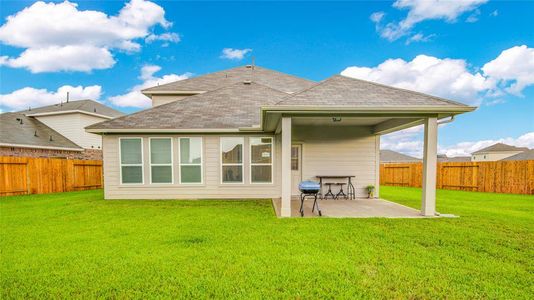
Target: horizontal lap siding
{"x": 211, "y": 189}
{"x": 339, "y": 151}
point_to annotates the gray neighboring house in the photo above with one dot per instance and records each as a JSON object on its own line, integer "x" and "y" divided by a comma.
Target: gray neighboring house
{"x": 54, "y": 130}
{"x": 525, "y": 155}
{"x": 250, "y": 132}
{"x": 390, "y": 156}
{"x": 496, "y": 152}
{"x": 444, "y": 158}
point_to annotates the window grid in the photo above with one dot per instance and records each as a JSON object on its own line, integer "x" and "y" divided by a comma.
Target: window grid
{"x": 261, "y": 164}
{"x": 180, "y": 164}
{"x": 131, "y": 165}
{"x": 162, "y": 165}
{"x": 223, "y": 164}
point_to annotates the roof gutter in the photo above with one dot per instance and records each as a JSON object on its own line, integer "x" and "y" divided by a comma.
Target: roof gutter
{"x": 166, "y": 130}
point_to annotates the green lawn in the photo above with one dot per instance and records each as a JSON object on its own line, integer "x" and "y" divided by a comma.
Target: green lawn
{"x": 79, "y": 245}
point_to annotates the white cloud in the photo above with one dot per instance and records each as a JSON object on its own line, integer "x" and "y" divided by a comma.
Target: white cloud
{"x": 466, "y": 148}
{"x": 473, "y": 17}
{"x": 377, "y": 16}
{"x": 164, "y": 37}
{"x": 513, "y": 68}
{"x": 408, "y": 141}
{"x": 419, "y": 37}
{"x": 494, "y": 13}
{"x": 32, "y": 97}
{"x": 134, "y": 97}
{"x": 447, "y": 77}
{"x": 421, "y": 10}
{"x": 235, "y": 54}
{"x": 55, "y": 33}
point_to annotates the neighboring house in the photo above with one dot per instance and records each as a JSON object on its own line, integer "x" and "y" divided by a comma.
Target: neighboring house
{"x": 250, "y": 132}
{"x": 442, "y": 158}
{"x": 496, "y": 152}
{"x": 525, "y": 155}
{"x": 390, "y": 156}
{"x": 54, "y": 130}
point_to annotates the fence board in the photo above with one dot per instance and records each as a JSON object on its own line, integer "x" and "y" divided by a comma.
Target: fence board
{"x": 24, "y": 175}
{"x": 515, "y": 177}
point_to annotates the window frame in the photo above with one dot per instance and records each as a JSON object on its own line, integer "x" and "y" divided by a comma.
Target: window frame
{"x": 150, "y": 164}
{"x": 242, "y": 164}
{"x": 142, "y": 164}
{"x": 180, "y": 164}
{"x": 261, "y": 164}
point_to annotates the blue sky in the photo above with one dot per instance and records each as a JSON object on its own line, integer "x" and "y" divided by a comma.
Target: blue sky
{"x": 478, "y": 51}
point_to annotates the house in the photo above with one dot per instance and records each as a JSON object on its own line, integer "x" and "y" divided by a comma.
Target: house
{"x": 55, "y": 130}
{"x": 390, "y": 156}
{"x": 250, "y": 132}
{"x": 525, "y": 155}
{"x": 496, "y": 152}
{"x": 442, "y": 158}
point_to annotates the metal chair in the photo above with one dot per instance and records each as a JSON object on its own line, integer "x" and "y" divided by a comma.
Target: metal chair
{"x": 341, "y": 192}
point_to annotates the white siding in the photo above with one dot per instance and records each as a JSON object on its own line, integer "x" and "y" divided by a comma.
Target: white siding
{"x": 72, "y": 127}
{"x": 326, "y": 151}
{"x": 339, "y": 151}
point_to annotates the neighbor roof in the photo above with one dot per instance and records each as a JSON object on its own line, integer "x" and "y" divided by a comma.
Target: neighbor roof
{"x": 500, "y": 147}
{"x": 393, "y": 156}
{"x": 340, "y": 90}
{"x": 88, "y": 106}
{"x": 234, "y": 106}
{"x": 209, "y": 82}
{"x": 454, "y": 159}
{"x": 30, "y": 133}
{"x": 526, "y": 155}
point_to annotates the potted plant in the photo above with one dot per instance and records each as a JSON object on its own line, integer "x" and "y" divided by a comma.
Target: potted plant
{"x": 370, "y": 189}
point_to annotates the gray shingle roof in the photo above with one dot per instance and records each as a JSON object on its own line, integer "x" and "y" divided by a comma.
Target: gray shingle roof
{"x": 209, "y": 82}
{"x": 13, "y": 132}
{"x": 500, "y": 147}
{"x": 526, "y": 155}
{"x": 390, "y": 156}
{"x": 89, "y": 106}
{"x": 339, "y": 90}
{"x": 444, "y": 158}
{"x": 234, "y": 106}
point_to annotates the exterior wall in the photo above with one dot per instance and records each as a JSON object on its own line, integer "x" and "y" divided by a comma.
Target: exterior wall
{"x": 212, "y": 188}
{"x": 87, "y": 154}
{"x": 158, "y": 100}
{"x": 72, "y": 127}
{"x": 493, "y": 156}
{"x": 325, "y": 151}
{"x": 339, "y": 151}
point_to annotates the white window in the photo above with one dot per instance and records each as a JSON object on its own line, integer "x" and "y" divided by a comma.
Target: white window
{"x": 190, "y": 159}
{"x": 261, "y": 160}
{"x": 161, "y": 160}
{"x": 131, "y": 160}
{"x": 232, "y": 159}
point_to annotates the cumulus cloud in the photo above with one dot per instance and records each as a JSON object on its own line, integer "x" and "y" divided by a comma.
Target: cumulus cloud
{"x": 234, "y": 54}
{"x": 421, "y": 10}
{"x": 166, "y": 38}
{"x": 511, "y": 72}
{"x": 513, "y": 68}
{"x": 408, "y": 141}
{"x": 32, "y": 97}
{"x": 449, "y": 78}
{"x": 134, "y": 97}
{"x": 60, "y": 37}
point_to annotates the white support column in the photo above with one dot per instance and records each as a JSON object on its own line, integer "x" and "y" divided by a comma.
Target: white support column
{"x": 377, "y": 166}
{"x": 428, "y": 205}
{"x": 285, "y": 210}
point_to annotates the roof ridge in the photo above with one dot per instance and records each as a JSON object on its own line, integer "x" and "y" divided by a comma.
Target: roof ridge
{"x": 402, "y": 89}
{"x": 304, "y": 90}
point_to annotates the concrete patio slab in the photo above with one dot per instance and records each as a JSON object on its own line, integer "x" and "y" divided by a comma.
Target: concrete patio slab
{"x": 358, "y": 208}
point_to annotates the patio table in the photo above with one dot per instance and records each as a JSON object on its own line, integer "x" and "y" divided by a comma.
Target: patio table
{"x": 351, "y": 192}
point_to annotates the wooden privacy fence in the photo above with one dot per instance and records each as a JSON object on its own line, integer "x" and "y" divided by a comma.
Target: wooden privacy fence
{"x": 24, "y": 175}
{"x": 515, "y": 177}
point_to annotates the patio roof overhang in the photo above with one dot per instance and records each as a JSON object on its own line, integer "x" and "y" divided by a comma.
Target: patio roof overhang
{"x": 380, "y": 120}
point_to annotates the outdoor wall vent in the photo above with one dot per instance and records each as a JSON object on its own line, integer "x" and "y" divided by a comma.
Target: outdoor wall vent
{"x": 336, "y": 119}
{"x": 247, "y": 82}
{"x": 248, "y": 66}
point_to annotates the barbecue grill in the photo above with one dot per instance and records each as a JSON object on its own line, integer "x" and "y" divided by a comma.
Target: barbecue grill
{"x": 309, "y": 189}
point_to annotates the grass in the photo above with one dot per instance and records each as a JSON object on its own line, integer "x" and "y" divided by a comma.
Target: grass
{"x": 79, "y": 245}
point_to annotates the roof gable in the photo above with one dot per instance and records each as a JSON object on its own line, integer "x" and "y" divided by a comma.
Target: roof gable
{"x": 525, "y": 155}
{"x": 500, "y": 147}
{"x": 234, "y": 106}
{"x": 209, "y": 82}
{"x": 340, "y": 90}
